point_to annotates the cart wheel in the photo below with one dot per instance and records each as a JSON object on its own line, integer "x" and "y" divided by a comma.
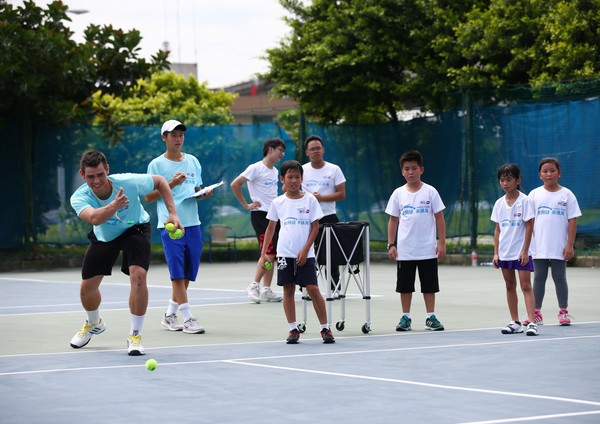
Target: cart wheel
{"x": 302, "y": 327}
{"x": 366, "y": 328}
{"x": 340, "y": 325}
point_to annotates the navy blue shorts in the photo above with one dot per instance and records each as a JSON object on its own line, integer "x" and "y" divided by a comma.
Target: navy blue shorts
{"x": 289, "y": 273}
{"x": 183, "y": 255}
{"x": 428, "y": 276}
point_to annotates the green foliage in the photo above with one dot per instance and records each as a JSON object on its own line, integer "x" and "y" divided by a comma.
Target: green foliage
{"x": 160, "y": 97}
{"x": 361, "y": 61}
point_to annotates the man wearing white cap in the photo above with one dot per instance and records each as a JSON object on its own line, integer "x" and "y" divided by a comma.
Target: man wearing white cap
{"x": 184, "y": 175}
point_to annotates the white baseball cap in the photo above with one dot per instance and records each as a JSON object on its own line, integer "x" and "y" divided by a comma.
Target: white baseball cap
{"x": 172, "y": 125}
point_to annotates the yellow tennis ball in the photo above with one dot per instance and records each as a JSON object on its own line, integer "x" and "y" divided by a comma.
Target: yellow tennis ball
{"x": 170, "y": 227}
{"x": 177, "y": 234}
{"x": 268, "y": 265}
{"x": 151, "y": 364}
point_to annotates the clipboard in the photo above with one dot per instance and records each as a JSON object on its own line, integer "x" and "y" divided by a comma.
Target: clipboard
{"x": 205, "y": 189}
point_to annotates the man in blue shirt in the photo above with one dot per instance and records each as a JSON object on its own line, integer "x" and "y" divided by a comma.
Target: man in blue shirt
{"x": 120, "y": 223}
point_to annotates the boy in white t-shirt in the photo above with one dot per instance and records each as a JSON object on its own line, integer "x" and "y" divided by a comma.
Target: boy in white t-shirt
{"x": 261, "y": 178}
{"x": 298, "y": 213}
{"x": 513, "y": 216}
{"x": 415, "y": 211}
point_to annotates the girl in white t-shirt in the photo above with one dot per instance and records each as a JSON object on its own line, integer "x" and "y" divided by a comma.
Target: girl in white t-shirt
{"x": 556, "y": 211}
{"x": 513, "y": 216}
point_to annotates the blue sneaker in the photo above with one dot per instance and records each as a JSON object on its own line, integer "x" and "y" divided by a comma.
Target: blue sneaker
{"x": 433, "y": 324}
{"x": 404, "y": 324}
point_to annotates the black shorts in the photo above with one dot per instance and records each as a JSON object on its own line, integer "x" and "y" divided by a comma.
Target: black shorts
{"x": 101, "y": 256}
{"x": 428, "y": 276}
{"x": 289, "y": 273}
{"x": 260, "y": 223}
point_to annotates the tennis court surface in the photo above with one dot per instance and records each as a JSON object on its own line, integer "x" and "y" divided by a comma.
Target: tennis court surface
{"x": 241, "y": 370}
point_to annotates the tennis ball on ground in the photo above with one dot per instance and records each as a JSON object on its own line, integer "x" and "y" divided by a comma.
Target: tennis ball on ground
{"x": 170, "y": 227}
{"x": 151, "y": 364}
{"x": 177, "y": 234}
{"x": 268, "y": 265}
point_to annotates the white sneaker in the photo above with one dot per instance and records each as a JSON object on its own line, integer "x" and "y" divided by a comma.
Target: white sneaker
{"x": 532, "y": 329}
{"x": 171, "y": 323}
{"x": 84, "y": 335}
{"x": 513, "y": 327}
{"x": 267, "y": 295}
{"x": 191, "y": 326}
{"x": 253, "y": 293}
{"x": 134, "y": 345}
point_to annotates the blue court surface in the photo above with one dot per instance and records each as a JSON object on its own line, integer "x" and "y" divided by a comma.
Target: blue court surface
{"x": 241, "y": 370}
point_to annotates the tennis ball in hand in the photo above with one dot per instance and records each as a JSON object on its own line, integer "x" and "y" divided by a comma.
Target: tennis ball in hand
{"x": 151, "y": 364}
{"x": 177, "y": 234}
{"x": 170, "y": 227}
{"x": 268, "y": 265}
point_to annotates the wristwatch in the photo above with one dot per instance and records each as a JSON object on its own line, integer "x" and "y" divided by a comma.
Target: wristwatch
{"x": 391, "y": 245}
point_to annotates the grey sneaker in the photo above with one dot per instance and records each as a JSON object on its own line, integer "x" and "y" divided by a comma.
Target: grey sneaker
{"x": 253, "y": 293}
{"x": 433, "y": 324}
{"x": 84, "y": 335}
{"x": 267, "y": 295}
{"x": 171, "y": 323}
{"x": 191, "y": 326}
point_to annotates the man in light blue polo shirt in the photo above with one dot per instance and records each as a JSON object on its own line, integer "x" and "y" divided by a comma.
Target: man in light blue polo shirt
{"x": 120, "y": 223}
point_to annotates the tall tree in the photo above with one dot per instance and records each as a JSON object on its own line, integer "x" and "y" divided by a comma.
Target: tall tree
{"x": 47, "y": 78}
{"x": 361, "y": 61}
{"x": 162, "y": 96}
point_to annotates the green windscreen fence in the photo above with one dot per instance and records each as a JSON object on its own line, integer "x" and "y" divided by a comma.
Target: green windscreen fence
{"x": 461, "y": 158}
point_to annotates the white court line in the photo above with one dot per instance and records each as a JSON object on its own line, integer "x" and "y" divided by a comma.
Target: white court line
{"x": 535, "y": 418}
{"x": 417, "y": 383}
{"x": 298, "y": 355}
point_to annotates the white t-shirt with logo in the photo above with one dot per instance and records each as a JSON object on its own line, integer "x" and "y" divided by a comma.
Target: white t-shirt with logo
{"x": 295, "y": 217}
{"x": 511, "y": 220}
{"x": 262, "y": 184}
{"x": 553, "y": 209}
{"x": 323, "y": 180}
{"x": 416, "y": 238}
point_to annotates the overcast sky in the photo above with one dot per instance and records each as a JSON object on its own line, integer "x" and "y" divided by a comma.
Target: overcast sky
{"x": 224, "y": 37}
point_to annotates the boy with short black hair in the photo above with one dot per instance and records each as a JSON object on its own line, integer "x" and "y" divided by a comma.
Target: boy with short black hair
{"x": 184, "y": 175}
{"x": 298, "y": 213}
{"x": 261, "y": 178}
{"x": 415, "y": 211}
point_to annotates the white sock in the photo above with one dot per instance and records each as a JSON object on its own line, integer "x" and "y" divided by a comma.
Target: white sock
{"x": 407, "y": 314}
{"x": 324, "y": 326}
{"x": 293, "y": 326}
{"x": 94, "y": 316}
{"x": 184, "y": 308}
{"x": 254, "y": 284}
{"x": 137, "y": 322}
{"x": 172, "y": 309}
{"x": 264, "y": 289}
{"x": 429, "y": 314}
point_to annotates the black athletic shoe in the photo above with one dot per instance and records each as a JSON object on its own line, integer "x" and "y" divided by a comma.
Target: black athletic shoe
{"x": 293, "y": 337}
{"x": 327, "y": 335}
{"x": 433, "y": 324}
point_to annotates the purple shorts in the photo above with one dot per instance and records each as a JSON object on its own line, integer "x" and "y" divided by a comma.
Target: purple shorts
{"x": 516, "y": 264}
